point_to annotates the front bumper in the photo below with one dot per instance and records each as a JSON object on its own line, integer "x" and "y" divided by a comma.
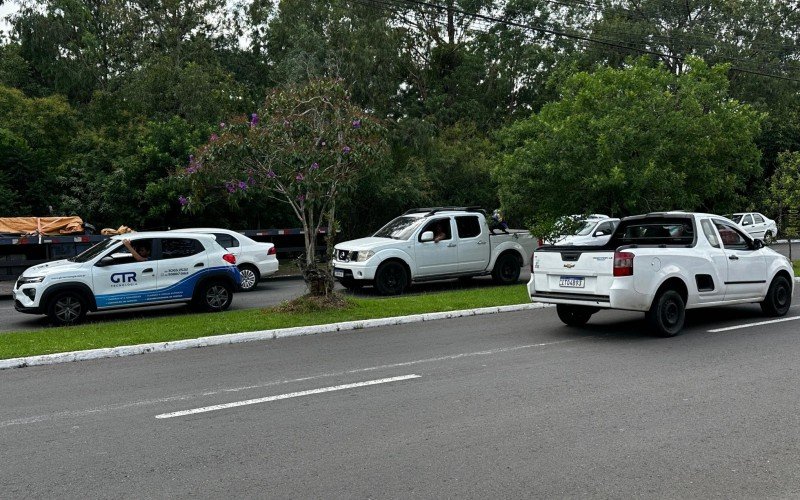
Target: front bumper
{"x": 354, "y": 270}
{"x": 23, "y": 303}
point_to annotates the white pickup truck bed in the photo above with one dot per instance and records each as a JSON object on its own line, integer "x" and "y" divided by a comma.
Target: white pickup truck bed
{"x": 662, "y": 264}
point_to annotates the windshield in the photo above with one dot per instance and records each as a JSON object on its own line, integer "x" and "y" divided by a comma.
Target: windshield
{"x": 585, "y": 227}
{"x": 400, "y": 228}
{"x": 737, "y": 218}
{"x": 93, "y": 251}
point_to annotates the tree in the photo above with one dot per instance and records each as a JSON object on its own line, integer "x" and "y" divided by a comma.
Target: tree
{"x": 632, "y": 140}
{"x": 784, "y": 193}
{"x": 304, "y": 147}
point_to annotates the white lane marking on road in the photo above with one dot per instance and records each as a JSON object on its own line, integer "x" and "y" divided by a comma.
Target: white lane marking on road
{"x": 298, "y": 394}
{"x": 748, "y": 325}
{"x": 155, "y": 401}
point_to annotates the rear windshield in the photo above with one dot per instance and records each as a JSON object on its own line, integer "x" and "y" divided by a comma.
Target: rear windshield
{"x": 655, "y": 232}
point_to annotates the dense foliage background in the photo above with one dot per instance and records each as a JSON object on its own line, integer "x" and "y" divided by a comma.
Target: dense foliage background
{"x": 552, "y": 107}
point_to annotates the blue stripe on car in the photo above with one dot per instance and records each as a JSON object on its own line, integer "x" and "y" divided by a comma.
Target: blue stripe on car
{"x": 184, "y": 289}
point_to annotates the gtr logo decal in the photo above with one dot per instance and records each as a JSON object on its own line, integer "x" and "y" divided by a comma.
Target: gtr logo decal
{"x": 129, "y": 277}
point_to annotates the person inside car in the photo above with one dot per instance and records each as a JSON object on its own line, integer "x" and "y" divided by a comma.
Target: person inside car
{"x": 439, "y": 234}
{"x": 140, "y": 254}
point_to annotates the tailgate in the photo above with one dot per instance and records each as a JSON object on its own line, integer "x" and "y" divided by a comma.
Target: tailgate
{"x": 572, "y": 274}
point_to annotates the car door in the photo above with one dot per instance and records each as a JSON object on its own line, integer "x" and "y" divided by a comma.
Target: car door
{"x": 473, "y": 244}
{"x": 747, "y": 224}
{"x": 181, "y": 262}
{"x": 711, "y": 282}
{"x": 437, "y": 258}
{"x": 119, "y": 280}
{"x": 759, "y": 227}
{"x": 747, "y": 267}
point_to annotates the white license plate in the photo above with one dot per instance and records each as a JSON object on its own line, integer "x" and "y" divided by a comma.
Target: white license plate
{"x": 571, "y": 282}
{"x": 338, "y": 273}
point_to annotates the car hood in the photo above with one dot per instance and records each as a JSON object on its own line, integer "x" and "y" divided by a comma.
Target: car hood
{"x": 52, "y": 267}
{"x": 369, "y": 243}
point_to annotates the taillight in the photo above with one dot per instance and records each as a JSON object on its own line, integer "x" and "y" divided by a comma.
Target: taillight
{"x": 229, "y": 258}
{"x": 623, "y": 264}
{"x": 272, "y": 250}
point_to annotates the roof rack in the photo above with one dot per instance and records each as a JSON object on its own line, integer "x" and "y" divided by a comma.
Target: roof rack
{"x": 433, "y": 210}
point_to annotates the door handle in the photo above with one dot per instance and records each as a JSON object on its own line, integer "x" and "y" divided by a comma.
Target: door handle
{"x": 451, "y": 245}
{"x": 733, "y": 257}
{"x": 199, "y": 264}
{"x": 148, "y": 270}
{"x": 481, "y": 242}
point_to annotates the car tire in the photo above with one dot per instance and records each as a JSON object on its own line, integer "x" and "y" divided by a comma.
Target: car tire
{"x": 250, "y": 277}
{"x": 779, "y": 297}
{"x": 213, "y": 296}
{"x": 506, "y": 269}
{"x": 391, "y": 278}
{"x": 769, "y": 239}
{"x": 667, "y": 314}
{"x": 67, "y": 308}
{"x": 574, "y": 315}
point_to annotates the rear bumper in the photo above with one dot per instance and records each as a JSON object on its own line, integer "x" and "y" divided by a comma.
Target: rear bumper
{"x": 621, "y": 296}
{"x": 267, "y": 267}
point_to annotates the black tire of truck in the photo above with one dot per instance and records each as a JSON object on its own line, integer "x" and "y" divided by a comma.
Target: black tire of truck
{"x": 391, "y": 278}
{"x": 506, "y": 269}
{"x": 213, "y": 296}
{"x": 667, "y": 314}
{"x": 67, "y": 308}
{"x": 574, "y": 315}
{"x": 779, "y": 297}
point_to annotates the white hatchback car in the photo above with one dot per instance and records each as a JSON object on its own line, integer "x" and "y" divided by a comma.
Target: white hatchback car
{"x": 255, "y": 260}
{"x": 757, "y": 225}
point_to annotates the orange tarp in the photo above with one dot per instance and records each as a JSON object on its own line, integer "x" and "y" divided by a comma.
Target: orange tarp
{"x": 41, "y": 225}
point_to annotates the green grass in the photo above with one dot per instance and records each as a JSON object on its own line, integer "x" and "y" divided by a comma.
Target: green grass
{"x": 796, "y": 264}
{"x": 178, "y": 327}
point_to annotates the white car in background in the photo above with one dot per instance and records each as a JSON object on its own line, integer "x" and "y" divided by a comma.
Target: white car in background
{"x": 757, "y": 225}
{"x": 595, "y": 230}
{"x": 254, "y": 259}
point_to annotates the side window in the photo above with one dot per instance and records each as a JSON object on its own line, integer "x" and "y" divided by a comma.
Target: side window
{"x": 226, "y": 240}
{"x": 468, "y": 226}
{"x": 747, "y": 220}
{"x": 121, "y": 255}
{"x": 439, "y": 226}
{"x": 708, "y": 230}
{"x": 175, "y": 248}
{"x": 758, "y": 219}
{"x": 605, "y": 228}
{"x": 731, "y": 237}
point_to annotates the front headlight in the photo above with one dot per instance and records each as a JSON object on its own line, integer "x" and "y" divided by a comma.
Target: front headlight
{"x": 31, "y": 279}
{"x": 364, "y": 255}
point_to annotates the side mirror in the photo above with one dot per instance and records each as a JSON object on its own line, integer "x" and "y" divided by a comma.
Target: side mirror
{"x": 758, "y": 244}
{"x": 600, "y": 233}
{"x": 426, "y": 236}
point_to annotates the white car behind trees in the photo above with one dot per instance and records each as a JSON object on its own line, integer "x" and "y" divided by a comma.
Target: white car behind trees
{"x": 254, "y": 259}
{"x": 757, "y": 225}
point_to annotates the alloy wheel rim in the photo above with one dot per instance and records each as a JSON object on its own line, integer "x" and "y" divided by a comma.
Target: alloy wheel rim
{"x": 68, "y": 309}
{"x": 248, "y": 279}
{"x": 217, "y": 296}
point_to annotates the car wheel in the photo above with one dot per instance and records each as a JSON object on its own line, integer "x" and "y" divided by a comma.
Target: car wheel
{"x": 667, "y": 314}
{"x": 67, "y": 308}
{"x": 769, "y": 239}
{"x": 391, "y": 279}
{"x": 779, "y": 297}
{"x": 574, "y": 315}
{"x": 250, "y": 277}
{"x": 214, "y": 296}
{"x": 506, "y": 269}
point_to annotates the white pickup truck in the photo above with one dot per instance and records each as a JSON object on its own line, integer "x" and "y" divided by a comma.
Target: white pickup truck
{"x": 427, "y": 244}
{"x": 662, "y": 264}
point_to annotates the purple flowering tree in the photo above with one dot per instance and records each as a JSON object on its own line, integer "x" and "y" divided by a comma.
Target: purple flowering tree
{"x": 304, "y": 148}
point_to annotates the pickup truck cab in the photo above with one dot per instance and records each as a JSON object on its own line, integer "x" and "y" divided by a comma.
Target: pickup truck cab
{"x": 427, "y": 244}
{"x": 179, "y": 267}
{"x": 662, "y": 264}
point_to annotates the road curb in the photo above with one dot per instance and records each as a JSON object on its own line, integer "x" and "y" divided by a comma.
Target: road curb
{"x": 236, "y": 338}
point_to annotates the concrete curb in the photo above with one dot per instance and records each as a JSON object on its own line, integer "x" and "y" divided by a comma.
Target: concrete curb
{"x": 236, "y": 338}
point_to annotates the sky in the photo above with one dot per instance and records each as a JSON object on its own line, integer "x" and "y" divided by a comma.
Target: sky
{"x": 6, "y": 9}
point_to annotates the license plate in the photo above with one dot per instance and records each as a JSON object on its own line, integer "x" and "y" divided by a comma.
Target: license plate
{"x": 338, "y": 273}
{"x": 571, "y": 282}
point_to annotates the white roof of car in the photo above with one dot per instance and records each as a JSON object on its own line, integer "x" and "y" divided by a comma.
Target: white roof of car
{"x": 205, "y": 230}
{"x": 152, "y": 234}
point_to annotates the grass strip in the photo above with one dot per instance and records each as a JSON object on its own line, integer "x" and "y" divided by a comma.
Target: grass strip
{"x": 796, "y": 265}
{"x": 188, "y": 326}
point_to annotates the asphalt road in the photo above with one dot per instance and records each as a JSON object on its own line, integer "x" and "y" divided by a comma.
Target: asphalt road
{"x": 269, "y": 293}
{"x": 511, "y": 405}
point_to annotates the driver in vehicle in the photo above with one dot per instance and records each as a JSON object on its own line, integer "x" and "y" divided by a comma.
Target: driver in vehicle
{"x": 141, "y": 253}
